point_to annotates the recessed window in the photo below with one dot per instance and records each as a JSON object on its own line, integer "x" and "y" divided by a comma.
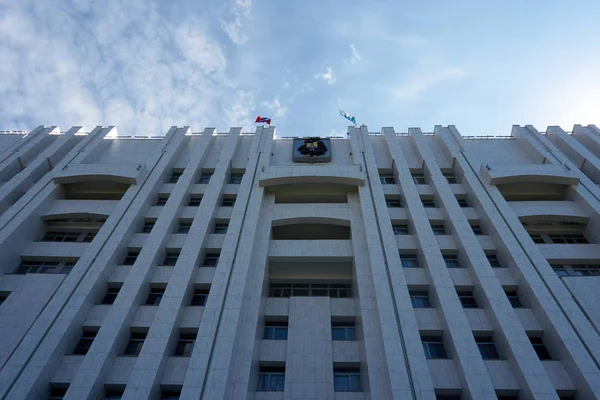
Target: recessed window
{"x": 221, "y": 228}
{"x": 419, "y": 179}
{"x": 393, "y": 203}
{"x": 567, "y": 239}
{"x": 271, "y": 379}
{"x": 130, "y": 258}
{"x": 85, "y": 342}
{"x": 560, "y": 270}
{"x": 537, "y": 238}
{"x": 175, "y": 177}
{"x": 451, "y": 261}
{"x": 155, "y": 296}
{"x": 387, "y": 179}
{"x": 111, "y": 295}
{"x": 409, "y": 261}
{"x": 576, "y": 270}
{"x": 114, "y": 393}
{"x": 493, "y": 260}
{"x": 170, "y": 394}
{"x": 210, "y": 260}
{"x": 447, "y": 397}
{"x": 228, "y": 202}
{"x": 540, "y": 348}
{"x": 275, "y": 330}
{"x": 61, "y": 237}
{"x": 194, "y": 201}
{"x": 462, "y": 203}
{"x": 477, "y": 229}
{"x": 162, "y": 199}
{"x": 171, "y": 258}
{"x": 185, "y": 345}
{"x": 450, "y": 178}
{"x": 335, "y": 290}
{"x": 37, "y": 267}
{"x": 199, "y": 297}
{"x": 57, "y": 393}
{"x": 134, "y": 346}
{"x": 487, "y": 348}
{"x": 148, "y": 225}
{"x": 400, "y": 229}
{"x": 467, "y": 299}
{"x": 433, "y": 347}
{"x": 3, "y": 297}
{"x": 343, "y": 330}
{"x": 428, "y": 203}
{"x": 236, "y": 179}
{"x": 513, "y": 297}
{"x": 205, "y": 178}
{"x": 346, "y": 379}
{"x": 419, "y": 299}
{"x": 184, "y": 226}
{"x": 438, "y": 229}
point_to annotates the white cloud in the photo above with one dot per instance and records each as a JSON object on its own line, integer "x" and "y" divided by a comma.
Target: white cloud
{"x": 328, "y": 76}
{"x": 233, "y": 27}
{"x": 239, "y": 112}
{"x": 417, "y": 85}
{"x": 276, "y": 108}
{"x": 356, "y": 57}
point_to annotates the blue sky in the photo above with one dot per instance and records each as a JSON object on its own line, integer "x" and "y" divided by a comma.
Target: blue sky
{"x": 146, "y": 65}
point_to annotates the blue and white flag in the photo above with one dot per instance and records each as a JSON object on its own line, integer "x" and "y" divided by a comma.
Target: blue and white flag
{"x": 348, "y": 116}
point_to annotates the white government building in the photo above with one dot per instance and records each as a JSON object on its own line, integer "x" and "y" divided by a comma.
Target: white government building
{"x": 381, "y": 265}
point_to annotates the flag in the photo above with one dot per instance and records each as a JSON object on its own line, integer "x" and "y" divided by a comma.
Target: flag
{"x": 348, "y": 116}
{"x": 263, "y": 119}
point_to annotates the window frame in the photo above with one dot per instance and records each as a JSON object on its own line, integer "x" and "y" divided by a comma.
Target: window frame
{"x": 452, "y": 261}
{"x": 85, "y": 342}
{"x": 235, "y": 179}
{"x": 467, "y": 298}
{"x": 110, "y": 291}
{"x": 409, "y": 261}
{"x": 225, "y": 202}
{"x": 428, "y": 203}
{"x": 420, "y": 299}
{"x": 343, "y": 331}
{"x": 148, "y": 226}
{"x": 387, "y": 179}
{"x": 400, "y": 229}
{"x": 185, "y": 344}
{"x": 419, "y": 178}
{"x": 175, "y": 175}
{"x": 271, "y": 379}
{"x": 487, "y": 348}
{"x": 193, "y": 200}
{"x": 275, "y": 330}
{"x": 513, "y": 298}
{"x": 212, "y": 259}
{"x": 220, "y": 228}
{"x": 205, "y": 178}
{"x": 438, "y": 229}
{"x": 199, "y": 297}
{"x": 352, "y": 377}
{"x": 155, "y": 296}
{"x": 540, "y": 348}
{"x": 434, "y": 348}
{"x": 135, "y": 344}
{"x": 393, "y": 203}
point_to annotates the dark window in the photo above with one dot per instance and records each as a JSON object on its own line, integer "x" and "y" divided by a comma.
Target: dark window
{"x": 433, "y": 347}
{"x": 275, "y": 330}
{"x": 585, "y": 270}
{"x": 171, "y": 258}
{"x": 537, "y": 238}
{"x": 113, "y": 394}
{"x": 57, "y": 393}
{"x": 155, "y": 296}
{"x": 87, "y": 338}
{"x": 540, "y": 348}
{"x": 89, "y": 236}
{"x": 210, "y": 260}
{"x": 194, "y": 201}
{"x": 205, "y": 178}
{"x": 228, "y": 202}
{"x": 428, "y": 203}
{"x": 451, "y": 261}
{"x": 170, "y": 394}
{"x": 184, "y": 226}
{"x": 450, "y": 178}
{"x": 400, "y": 229}
{"x": 346, "y": 379}
{"x": 438, "y": 229}
{"x": 463, "y": 203}
{"x": 393, "y": 203}
{"x": 236, "y": 179}
{"x": 387, "y": 179}
{"x": 162, "y": 199}
{"x": 343, "y": 330}
{"x": 487, "y": 348}
{"x": 419, "y": 299}
{"x": 568, "y": 239}
{"x": 501, "y": 397}
{"x": 130, "y": 258}
{"x": 560, "y": 270}
{"x": 447, "y": 397}
{"x": 3, "y": 297}
{"x": 335, "y": 290}
{"x": 221, "y": 228}
{"x": 148, "y": 225}
{"x": 175, "y": 177}
{"x": 271, "y": 379}
{"x": 513, "y": 297}
{"x": 419, "y": 179}
{"x": 134, "y": 346}
{"x": 477, "y": 229}
{"x": 493, "y": 260}
{"x": 61, "y": 236}
{"x": 40, "y": 267}
{"x": 409, "y": 261}
{"x": 185, "y": 345}
{"x": 199, "y": 297}
{"x": 111, "y": 295}
{"x": 467, "y": 299}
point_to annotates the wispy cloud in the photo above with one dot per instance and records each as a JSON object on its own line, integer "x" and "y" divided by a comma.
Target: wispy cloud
{"x": 238, "y": 13}
{"x": 356, "y": 57}
{"x": 418, "y": 84}
{"x": 278, "y": 110}
{"x": 328, "y": 76}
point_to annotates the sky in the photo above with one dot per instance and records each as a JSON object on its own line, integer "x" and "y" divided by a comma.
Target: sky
{"x": 146, "y": 65}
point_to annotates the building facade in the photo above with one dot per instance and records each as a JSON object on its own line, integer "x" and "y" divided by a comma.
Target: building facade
{"x": 223, "y": 266}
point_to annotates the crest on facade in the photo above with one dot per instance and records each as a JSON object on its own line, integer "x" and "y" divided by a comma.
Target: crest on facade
{"x": 311, "y": 149}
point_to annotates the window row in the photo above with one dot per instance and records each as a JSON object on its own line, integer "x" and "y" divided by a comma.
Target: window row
{"x": 451, "y": 260}
{"x": 195, "y": 200}
{"x": 340, "y": 330}
{"x": 337, "y": 290}
{"x": 558, "y": 238}
{"x": 234, "y": 178}
{"x": 85, "y": 236}
{"x": 345, "y": 378}
{"x": 219, "y": 227}
{"x": 576, "y": 269}
{"x": 155, "y": 295}
{"x": 418, "y": 178}
{"x": 45, "y": 267}
{"x": 420, "y": 298}
{"x": 171, "y": 256}
{"x": 438, "y": 229}
{"x": 427, "y": 201}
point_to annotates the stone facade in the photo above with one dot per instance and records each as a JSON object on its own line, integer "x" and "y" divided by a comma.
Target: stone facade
{"x": 211, "y": 266}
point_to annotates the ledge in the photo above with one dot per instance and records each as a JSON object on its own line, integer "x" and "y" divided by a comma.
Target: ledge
{"x": 119, "y": 173}
{"x": 497, "y": 174}
{"x": 298, "y": 174}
